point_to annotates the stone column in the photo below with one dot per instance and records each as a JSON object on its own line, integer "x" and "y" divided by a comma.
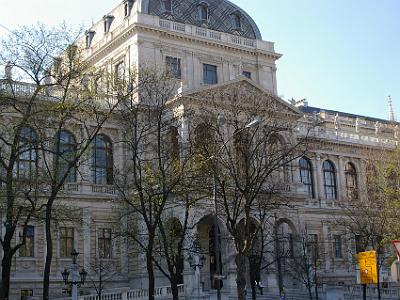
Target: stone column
{"x": 341, "y": 180}
{"x": 362, "y": 178}
{"x": 326, "y": 245}
{"x": 87, "y": 219}
{"x": 318, "y": 180}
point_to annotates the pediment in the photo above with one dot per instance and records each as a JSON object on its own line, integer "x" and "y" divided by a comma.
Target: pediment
{"x": 241, "y": 92}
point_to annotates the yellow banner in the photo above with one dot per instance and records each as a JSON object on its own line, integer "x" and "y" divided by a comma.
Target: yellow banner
{"x": 367, "y": 263}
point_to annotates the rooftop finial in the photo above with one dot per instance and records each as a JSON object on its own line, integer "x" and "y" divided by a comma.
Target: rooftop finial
{"x": 391, "y": 111}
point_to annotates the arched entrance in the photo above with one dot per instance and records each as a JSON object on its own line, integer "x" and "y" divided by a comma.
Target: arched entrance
{"x": 207, "y": 240}
{"x": 285, "y": 236}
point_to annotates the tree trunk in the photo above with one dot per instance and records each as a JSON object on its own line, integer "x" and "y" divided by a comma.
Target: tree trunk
{"x": 174, "y": 289}
{"x": 253, "y": 288}
{"x": 150, "y": 271}
{"x": 310, "y": 292}
{"x": 49, "y": 255}
{"x": 241, "y": 275}
{"x": 5, "y": 272}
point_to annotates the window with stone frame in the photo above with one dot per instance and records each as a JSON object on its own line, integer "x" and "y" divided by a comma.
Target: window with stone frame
{"x": 203, "y": 11}
{"x": 359, "y": 243}
{"x": 166, "y": 6}
{"x": 104, "y": 241}
{"x": 119, "y": 72}
{"x": 210, "y": 74}
{"x": 28, "y": 249}
{"x": 306, "y": 177}
{"x": 128, "y": 4}
{"x": 351, "y": 181}
{"x": 173, "y": 65}
{"x": 329, "y": 176}
{"x": 102, "y": 160}
{"x": 26, "y": 166}
{"x": 246, "y": 74}
{"x": 66, "y": 241}
{"x": 312, "y": 246}
{"x": 337, "y": 246}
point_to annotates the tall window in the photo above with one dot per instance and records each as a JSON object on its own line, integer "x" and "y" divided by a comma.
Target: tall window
{"x": 27, "y": 250}
{"x": 102, "y": 160}
{"x": 312, "y": 245}
{"x": 237, "y": 20}
{"x": 119, "y": 71}
{"x": 128, "y": 4}
{"x": 104, "y": 242}
{"x": 360, "y": 243}
{"x": 210, "y": 74}
{"x": 351, "y": 181}
{"x": 329, "y": 180}
{"x": 66, "y": 241}
{"x": 66, "y": 156}
{"x": 174, "y": 66}
{"x": 27, "y": 159}
{"x": 203, "y": 11}
{"x": 166, "y": 5}
{"x": 306, "y": 176}
{"x": 337, "y": 246}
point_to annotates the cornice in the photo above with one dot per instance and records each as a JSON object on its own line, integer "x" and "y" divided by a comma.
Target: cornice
{"x": 139, "y": 27}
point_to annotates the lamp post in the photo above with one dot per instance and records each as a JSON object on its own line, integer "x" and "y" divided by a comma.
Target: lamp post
{"x": 197, "y": 264}
{"x": 218, "y": 276}
{"x": 78, "y": 277}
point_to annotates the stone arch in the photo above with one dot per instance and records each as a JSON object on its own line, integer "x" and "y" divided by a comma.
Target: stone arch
{"x": 206, "y": 240}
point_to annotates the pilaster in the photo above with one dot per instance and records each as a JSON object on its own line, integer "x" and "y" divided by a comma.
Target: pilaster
{"x": 341, "y": 180}
{"x": 87, "y": 220}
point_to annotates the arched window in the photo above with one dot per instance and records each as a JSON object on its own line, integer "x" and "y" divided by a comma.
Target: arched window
{"x": 306, "y": 177}
{"x": 66, "y": 156}
{"x": 203, "y": 11}
{"x": 166, "y": 6}
{"x": 329, "y": 180}
{"x": 27, "y": 158}
{"x": 351, "y": 181}
{"x": 102, "y": 160}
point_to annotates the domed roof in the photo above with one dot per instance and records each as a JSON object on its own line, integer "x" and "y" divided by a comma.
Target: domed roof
{"x": 222, "y": 15}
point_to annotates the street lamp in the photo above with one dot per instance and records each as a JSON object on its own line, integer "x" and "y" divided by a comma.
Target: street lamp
{"x": 218, "y": 276}
{"x": 197, "y": 263}
{"x": 78, "y": 278}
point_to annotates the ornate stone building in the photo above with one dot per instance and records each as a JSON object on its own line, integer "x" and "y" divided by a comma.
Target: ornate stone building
{"x": 209, "y": 45}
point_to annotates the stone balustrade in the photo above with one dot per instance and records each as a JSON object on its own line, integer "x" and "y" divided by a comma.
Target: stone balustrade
{"x": 161, "y": 293}
{"x": 151, "y": 21}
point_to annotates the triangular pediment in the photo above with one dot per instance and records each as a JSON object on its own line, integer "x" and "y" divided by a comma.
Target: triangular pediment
{"x": 239, "y": 92}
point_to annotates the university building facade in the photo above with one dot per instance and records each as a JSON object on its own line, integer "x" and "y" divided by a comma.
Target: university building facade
{"x": 207, "y": 45}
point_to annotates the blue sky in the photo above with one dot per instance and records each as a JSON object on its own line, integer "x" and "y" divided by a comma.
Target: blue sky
{"x": 342, "y": 54}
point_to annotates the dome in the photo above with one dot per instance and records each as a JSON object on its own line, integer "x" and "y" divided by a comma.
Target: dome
{"x": 222, "y": 15}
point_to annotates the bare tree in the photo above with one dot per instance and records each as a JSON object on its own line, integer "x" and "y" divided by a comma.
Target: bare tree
{"x": 158, "y": 176}
{"x": 370, "y": 211}
{"x": 249, "y": 162}
{"x": 47, "y": 100}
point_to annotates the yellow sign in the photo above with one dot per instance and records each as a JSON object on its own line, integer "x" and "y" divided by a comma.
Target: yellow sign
{"x": 367, "y": 263}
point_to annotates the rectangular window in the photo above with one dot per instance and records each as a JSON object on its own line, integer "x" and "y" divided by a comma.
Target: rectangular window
{"x": 66, "y": 241}
{"x": 247, "y": 74}
{"x": 25, "y": 293}
{"x": 27, "y": 250}
{"x": 119, "y": 71}
{"x": 210, "y": 74}
{"x": 104, "y": 242}
{"x": 337, "y": 246}
{"x": 360, "y": 246}
{"x": 174, "y": 66}
{"x": 312, "y": 246}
